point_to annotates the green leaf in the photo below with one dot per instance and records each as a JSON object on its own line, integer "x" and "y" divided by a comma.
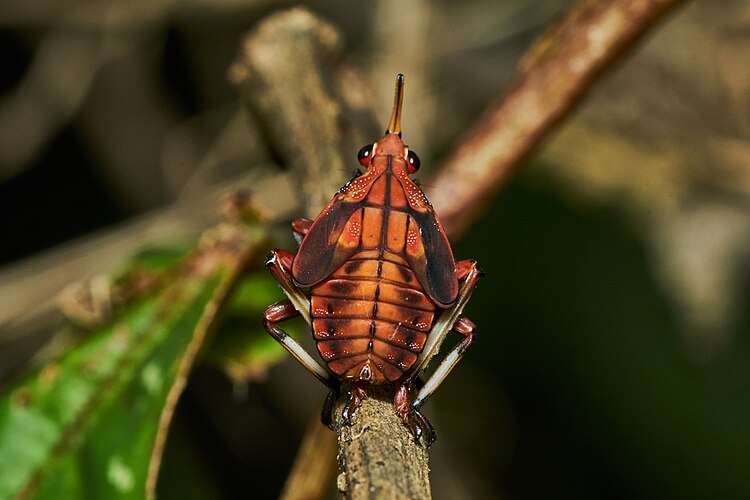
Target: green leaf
{"x": 243, "y": 349}
{"x": 93, "y": 424}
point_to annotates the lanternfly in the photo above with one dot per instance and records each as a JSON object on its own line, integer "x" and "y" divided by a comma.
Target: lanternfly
{"x": 375, "y": 278}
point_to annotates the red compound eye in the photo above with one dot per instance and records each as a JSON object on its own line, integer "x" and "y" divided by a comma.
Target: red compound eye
{"x": 364, "y": 155}
{"x": 414, "y": 162}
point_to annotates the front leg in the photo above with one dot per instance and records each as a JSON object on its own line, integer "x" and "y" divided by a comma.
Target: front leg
{"x": 300, "y": 228}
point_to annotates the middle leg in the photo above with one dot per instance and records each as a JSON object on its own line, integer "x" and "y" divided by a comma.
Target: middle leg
{"x": 465, "y": 327}
{"x": 282, "y": 311}
{"x": 469, "y": 274}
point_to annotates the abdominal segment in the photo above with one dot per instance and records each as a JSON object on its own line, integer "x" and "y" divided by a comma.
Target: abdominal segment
{"x": 370, "y": 318}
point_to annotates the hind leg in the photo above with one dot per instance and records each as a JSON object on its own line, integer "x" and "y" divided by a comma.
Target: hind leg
{"x": 465, "y": 327}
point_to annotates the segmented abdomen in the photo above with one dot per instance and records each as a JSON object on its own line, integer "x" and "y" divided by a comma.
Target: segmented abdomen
{"x": 371, "y": 317}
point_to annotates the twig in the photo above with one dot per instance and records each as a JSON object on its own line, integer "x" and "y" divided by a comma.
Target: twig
{"x": 284, "y": 75}
{"x": 314, "y": 465}
{"x": 554, "y": 75}
{"x": 379, "y": 457}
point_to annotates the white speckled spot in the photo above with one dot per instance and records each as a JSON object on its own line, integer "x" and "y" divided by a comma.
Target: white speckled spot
{"x": 120, "y": 475}
{"x": 152, "y": 378}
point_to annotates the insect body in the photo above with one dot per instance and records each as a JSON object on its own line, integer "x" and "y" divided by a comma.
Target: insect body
{"x": 384, "y": 288}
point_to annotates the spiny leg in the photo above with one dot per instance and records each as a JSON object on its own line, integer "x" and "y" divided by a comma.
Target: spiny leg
{"x": 465, "y": 327}
{"x": 411, "y": 416}
{"x": 282, "y": 311}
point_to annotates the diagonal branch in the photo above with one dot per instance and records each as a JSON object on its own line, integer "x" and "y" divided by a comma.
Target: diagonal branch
{"x": 554, "y": 75}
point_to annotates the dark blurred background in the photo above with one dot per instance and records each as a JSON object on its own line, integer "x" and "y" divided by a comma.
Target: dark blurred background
{"x": 613, "y": 358}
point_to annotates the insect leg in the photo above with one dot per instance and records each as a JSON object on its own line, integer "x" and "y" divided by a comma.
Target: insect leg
{"x": 464, "y": 269}
{"x": 469, "y": 274}
{"x": 411, "y": 416}
{"x": 356, "y": 395}
{"x": 300, "y": 228}
{"x": 465, "y": 327}
{"x": 326, "y": 414}
{"x": 282, "y": 311}
{"x": 279, "y": 263}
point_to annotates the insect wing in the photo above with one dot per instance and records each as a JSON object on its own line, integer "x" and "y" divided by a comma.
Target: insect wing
{"x": 326, "y": 246}
{"x": 429, "y": 255}
{"x": 427, "y": 250}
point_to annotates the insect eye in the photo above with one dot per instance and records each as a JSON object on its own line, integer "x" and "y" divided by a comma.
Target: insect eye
{"x": 364, "y": 155}
{"x": 414, "y": 162}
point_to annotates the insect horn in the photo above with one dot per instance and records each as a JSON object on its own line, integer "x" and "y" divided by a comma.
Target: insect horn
{"x": 394, "y": 127}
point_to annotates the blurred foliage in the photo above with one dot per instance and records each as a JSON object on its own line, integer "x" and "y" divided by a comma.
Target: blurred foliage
{"x": 577, "y": 377}
{"x": 90, "y": 424}
{"x": 612, "y": 353}
{"x": 244, "y": 350}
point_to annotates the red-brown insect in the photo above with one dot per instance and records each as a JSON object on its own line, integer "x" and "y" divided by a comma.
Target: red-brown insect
{"x": 384, "y": 289}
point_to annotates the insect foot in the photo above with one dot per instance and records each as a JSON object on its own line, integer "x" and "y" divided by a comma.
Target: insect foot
{"x": 356, "y": 395}
{"x": 420, "y": 427}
